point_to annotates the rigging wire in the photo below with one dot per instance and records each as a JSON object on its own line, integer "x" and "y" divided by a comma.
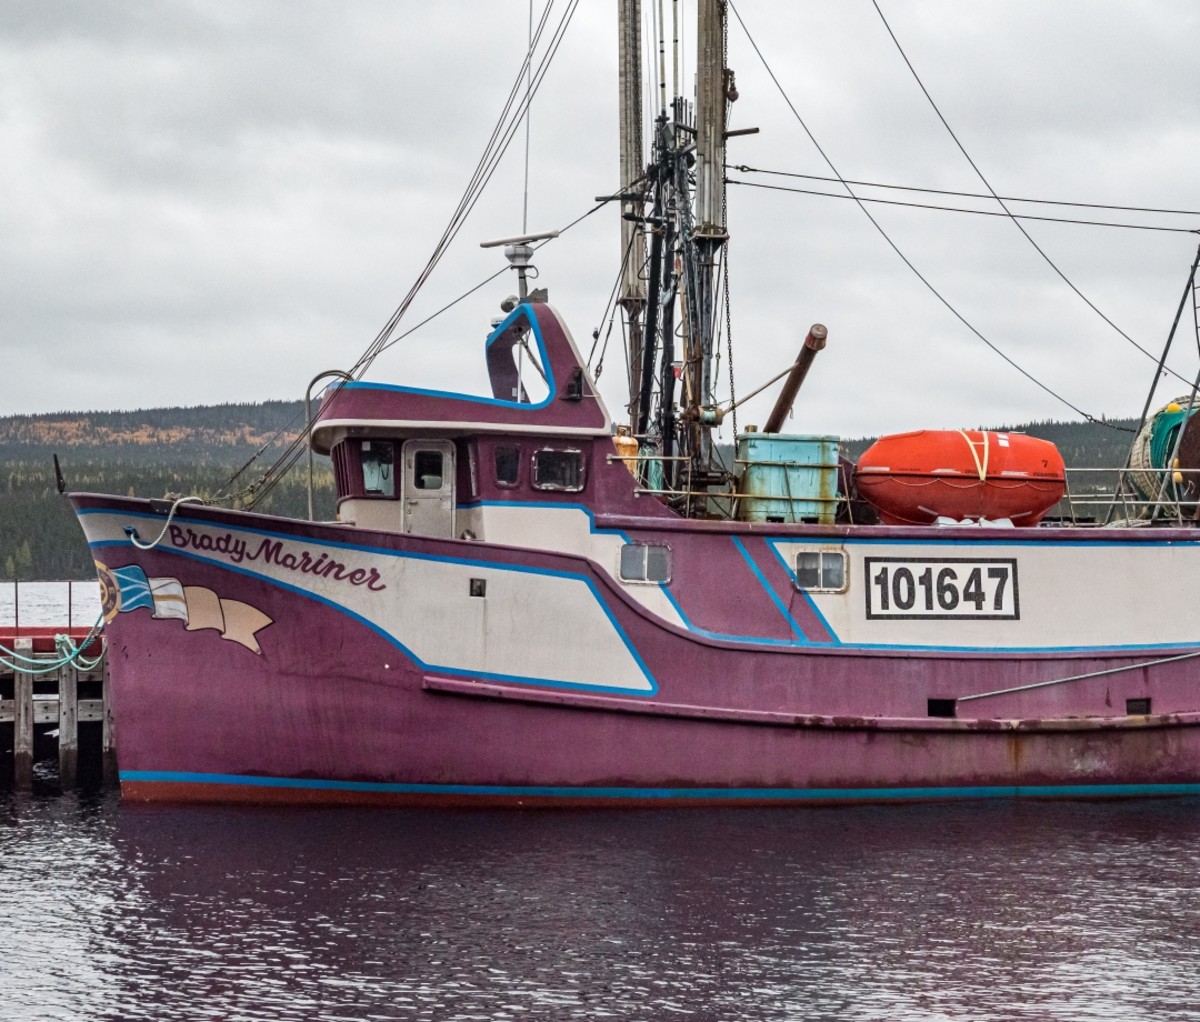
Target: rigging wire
{"x": 290, "y": 454}
{"x": 1196, "y": 314}
{"x": 280, "y": 468}
{"x": 487, "y": 280}
{"x": 528, "y": 84}
{"x": 221, "y": 495}
{"x": 675, "y": 63}
{"x": 501, "y": 137}
{"x": 961, "y": 209}
{"x": 609, "y": 307}
{"x": 742, "y": 168}
{"x": 896, "y": 248}
{"x": 988, "y": 185}
{"x": 661, "y": 34}
{"x": 650, "y": 85}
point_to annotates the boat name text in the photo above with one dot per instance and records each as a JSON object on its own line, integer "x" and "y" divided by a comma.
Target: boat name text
{"x": 272, "y": 551}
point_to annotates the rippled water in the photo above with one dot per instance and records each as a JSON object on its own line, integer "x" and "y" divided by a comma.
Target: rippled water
{"x": 56, "y": 604}
{"x": 1006, "y": 910}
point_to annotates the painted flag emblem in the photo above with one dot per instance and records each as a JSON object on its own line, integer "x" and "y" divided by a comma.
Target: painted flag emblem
{"x": 128, "y": 588}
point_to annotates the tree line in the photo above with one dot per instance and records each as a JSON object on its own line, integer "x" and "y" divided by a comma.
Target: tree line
{"x": 40, "y": 537}
{"x": 197, "y": 450}
{"x": 146, "y": 453}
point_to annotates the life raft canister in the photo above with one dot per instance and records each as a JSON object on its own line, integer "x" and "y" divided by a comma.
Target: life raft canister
{"x": 916, "y": 478}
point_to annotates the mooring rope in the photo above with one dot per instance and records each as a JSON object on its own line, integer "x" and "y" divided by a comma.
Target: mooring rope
{"x": 64, "y": 646}
{"x": 132, "y": 533}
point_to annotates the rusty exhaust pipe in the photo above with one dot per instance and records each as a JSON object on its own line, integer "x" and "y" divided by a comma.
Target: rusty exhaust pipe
{"x": 813, "y": 343}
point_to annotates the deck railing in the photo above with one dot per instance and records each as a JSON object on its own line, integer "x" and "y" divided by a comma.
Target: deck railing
{"x": 1093, "y": 497}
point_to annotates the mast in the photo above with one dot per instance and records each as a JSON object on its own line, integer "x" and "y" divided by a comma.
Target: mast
{"x": 710, "y": 234}
{"x": 710, "y": 122}
{"x": 671, "y": 353}
{"x": 633, "y": 241}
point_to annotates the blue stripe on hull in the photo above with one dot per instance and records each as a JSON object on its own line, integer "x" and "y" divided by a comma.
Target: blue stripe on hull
{"x": 583, "y": 794}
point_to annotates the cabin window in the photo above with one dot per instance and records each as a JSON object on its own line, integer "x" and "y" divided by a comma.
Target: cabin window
{"x": 379, "y": 477}
{"x": 427, "y": 470}
{"x": 645, "y": 562}
{"x": 343, "y": 474}
{"x": 508, "y": 466}
{"x": 558, "y": 470}
{"x": 822, "y": 571}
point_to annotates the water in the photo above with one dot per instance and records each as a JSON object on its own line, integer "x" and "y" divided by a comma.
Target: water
{"x": 983, "y": 911}
{"x": 56, "y": 604}
{"x": 1003, "y": 910}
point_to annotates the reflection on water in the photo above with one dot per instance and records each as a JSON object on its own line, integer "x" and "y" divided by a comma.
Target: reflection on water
{"x": 1008, "y": 910}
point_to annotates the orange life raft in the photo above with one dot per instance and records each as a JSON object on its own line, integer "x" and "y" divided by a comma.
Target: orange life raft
{"x": 917, "y": 478}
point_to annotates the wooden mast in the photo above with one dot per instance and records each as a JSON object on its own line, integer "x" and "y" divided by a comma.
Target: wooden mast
{"x": 686, "y": 186}
{"x": 709, "y": 233}
{"x": 633, "y": 166}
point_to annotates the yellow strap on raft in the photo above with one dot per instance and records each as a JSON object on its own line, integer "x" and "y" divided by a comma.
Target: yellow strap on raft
{"x": 980, "y": 466}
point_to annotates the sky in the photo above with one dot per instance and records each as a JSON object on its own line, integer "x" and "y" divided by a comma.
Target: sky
{"x": 208, "y": 202}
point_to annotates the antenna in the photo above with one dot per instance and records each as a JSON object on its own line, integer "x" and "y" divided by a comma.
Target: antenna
{"x": 518, "y": 251}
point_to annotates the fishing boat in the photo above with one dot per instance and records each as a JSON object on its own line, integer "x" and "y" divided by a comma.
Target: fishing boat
{"x": 525, "y": 602}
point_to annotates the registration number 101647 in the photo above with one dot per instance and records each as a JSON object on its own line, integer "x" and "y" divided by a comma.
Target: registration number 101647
{"x": 942, "y": 587}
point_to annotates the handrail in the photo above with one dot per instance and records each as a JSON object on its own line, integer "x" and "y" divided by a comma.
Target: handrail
{"x": 1074, "y": 498}
{"x": 308, "y": 424}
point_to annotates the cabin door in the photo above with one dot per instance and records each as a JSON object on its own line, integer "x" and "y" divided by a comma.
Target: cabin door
{"x": 428, "y": 500}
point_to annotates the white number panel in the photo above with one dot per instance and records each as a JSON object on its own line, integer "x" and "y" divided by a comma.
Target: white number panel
{"x": 942, "y": 587}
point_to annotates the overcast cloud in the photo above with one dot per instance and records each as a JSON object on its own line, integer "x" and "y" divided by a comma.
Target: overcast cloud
{"x": 208, "y": 202}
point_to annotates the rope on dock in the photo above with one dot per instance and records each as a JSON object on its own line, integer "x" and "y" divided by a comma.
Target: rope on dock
{"x": 68, "y": 654}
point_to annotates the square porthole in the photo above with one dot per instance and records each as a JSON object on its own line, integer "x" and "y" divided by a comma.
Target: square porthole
{"x": 558, "y": 470}
{"x": 645, "y": 562}
{"x": 1137, "y": 707}
{"x": 821, "y": 571}
{"x": 942, "y": 708}
{"x": 479, "y": 587}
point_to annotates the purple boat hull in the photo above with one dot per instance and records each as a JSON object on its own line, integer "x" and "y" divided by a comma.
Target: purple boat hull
{"x": 333, "y": 707}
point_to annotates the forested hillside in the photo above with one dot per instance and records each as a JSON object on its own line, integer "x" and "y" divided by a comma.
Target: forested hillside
{"x": 210, "y": 434}
{"x": 1082, "y": 444}
{"x": 146, "y": 453}
{"x": 157, "y": 451}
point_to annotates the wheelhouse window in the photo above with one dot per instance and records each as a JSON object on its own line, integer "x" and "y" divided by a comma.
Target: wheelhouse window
{"x": 558, "y": 470}
{"x": 645, "y": 562}
{"x": 822, "y": 571}
{"x": 508, "y": 465}
{"x": 343, "y": 467}
{"x": 378, "y": 468}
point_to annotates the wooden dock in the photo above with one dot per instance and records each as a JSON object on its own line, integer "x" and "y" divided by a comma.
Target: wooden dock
{"x": 41, "y": 713}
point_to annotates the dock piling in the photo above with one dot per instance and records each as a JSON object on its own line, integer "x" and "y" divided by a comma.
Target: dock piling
{"x": 23, "y": 718}
{"x": 68, "y": 725}
{"x": 66, "y": 697}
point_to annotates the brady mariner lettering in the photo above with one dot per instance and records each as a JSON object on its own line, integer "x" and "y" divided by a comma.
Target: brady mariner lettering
{"x": 273, "y": 551}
